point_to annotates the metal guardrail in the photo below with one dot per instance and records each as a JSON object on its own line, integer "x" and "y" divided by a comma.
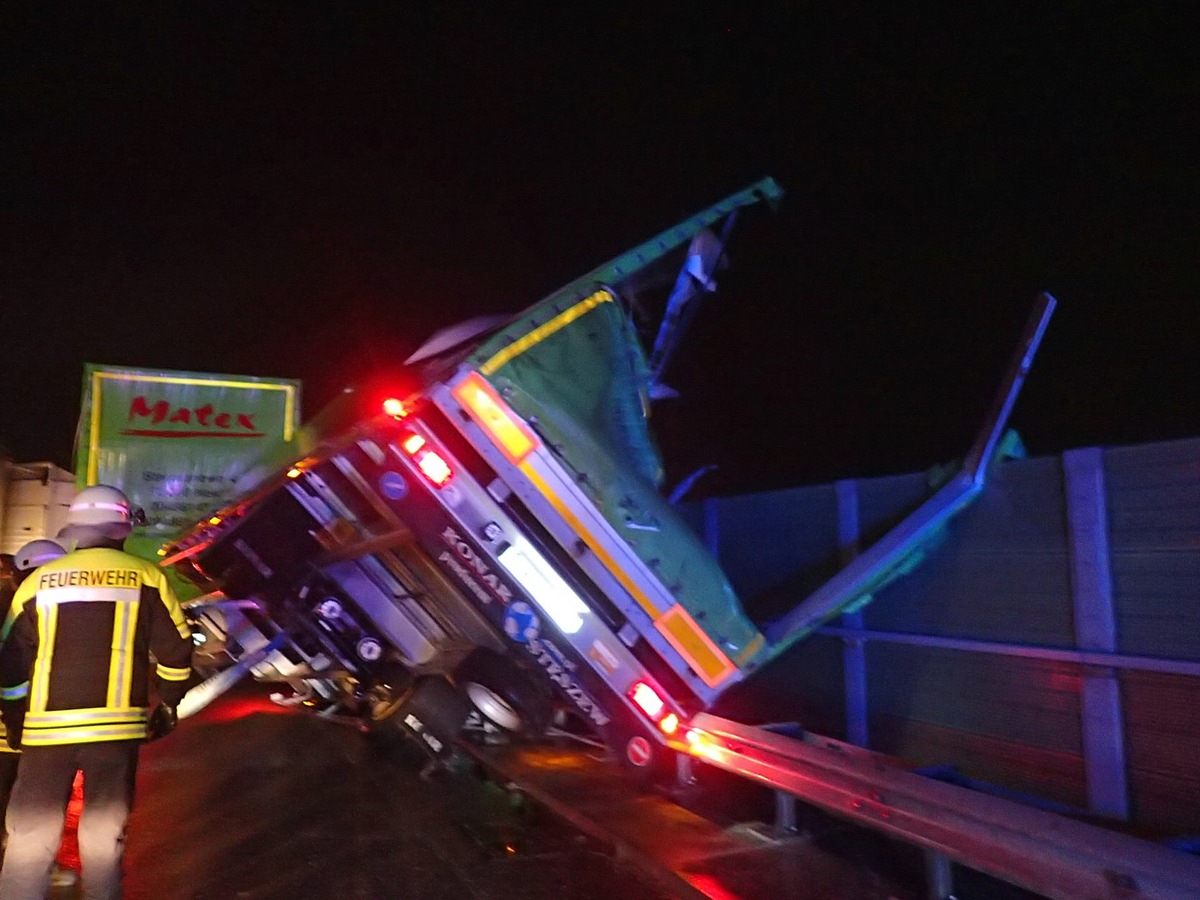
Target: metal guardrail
{"x": 1037, "y": 850}
{"x": 1131, "y": 661}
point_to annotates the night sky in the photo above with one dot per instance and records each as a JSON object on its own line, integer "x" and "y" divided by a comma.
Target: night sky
{"x": 307, "y": 190}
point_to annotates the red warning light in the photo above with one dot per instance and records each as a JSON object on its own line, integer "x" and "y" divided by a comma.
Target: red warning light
{"x": 394, "y": 407}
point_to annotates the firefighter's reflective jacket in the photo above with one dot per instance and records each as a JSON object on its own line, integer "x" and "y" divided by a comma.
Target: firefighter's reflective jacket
{"x": 77, "y": 644}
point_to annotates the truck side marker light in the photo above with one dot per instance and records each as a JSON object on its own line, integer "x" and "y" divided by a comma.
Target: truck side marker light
{"x": 505, "y": 429}
{"x": 647, "y": 700}
{"x": 669, "y": 723}
{"x": 547, "y": 588}
{"x": 293, "y": 472}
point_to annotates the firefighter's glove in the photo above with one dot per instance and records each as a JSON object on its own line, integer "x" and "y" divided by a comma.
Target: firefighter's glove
{"x": 162, "y": 722}
{"x": 14, "y": 723}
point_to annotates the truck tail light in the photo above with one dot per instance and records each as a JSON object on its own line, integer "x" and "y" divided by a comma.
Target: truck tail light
{"x": 428, "y": 460}
{"x": 647, "y": 700}
{"x": 504, "y": 427}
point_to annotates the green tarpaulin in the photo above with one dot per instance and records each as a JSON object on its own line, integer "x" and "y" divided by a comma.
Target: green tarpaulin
{"x": 573, "y": 367}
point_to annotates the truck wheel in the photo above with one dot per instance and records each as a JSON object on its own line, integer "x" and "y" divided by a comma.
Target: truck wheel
{"x": 502, "y": 693}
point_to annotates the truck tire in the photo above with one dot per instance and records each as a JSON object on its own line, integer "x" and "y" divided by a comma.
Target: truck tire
{"x": 503, "y": 693}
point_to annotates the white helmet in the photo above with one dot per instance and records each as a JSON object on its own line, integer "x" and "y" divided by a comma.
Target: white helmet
{"x": 99, "y": 512}
{"x": 37, "y": 553}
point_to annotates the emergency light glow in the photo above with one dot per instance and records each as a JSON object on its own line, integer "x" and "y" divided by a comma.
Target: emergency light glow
{"x": 545, "y": 586}
{"x": 394, "y": 407}
{"x": 647, "y": 698}
{"x": 507, "y": 431}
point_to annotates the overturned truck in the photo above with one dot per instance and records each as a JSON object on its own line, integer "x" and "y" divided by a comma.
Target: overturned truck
{"x": 494, "y": 552}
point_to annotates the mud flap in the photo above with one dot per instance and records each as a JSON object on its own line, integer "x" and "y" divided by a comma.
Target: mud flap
{"x": 433, "y": 715}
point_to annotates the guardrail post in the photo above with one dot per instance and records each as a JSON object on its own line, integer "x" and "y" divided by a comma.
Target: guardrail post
{"x": 939, "y": 872}
{"x": 854, "y": 653}
{"x": 1095, "y": 629}
{"x": 685, "y": 775}
{"x": 785, "y": 812}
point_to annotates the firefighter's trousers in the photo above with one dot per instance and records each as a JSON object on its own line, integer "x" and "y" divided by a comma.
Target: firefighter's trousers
{"x": 38, "y": 808}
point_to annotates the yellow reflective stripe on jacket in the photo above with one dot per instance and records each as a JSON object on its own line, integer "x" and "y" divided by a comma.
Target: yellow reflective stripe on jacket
{"x": 166, "y": 673}
{"x": 48, "y": 627}
{"x": 50, "y": 737}
{"x": 120, "y": 664}
{"x": 98, "y": 715}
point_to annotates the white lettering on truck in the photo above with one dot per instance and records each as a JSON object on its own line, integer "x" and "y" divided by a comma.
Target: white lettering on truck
{"x": 476, "y": 564}
{"x": 563, "y": 679}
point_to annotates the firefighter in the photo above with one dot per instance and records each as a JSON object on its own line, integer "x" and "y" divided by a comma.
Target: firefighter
{"x": 75, "y": 668}
{"x": 20, "y": 566}
{"x": 31, "y": 556}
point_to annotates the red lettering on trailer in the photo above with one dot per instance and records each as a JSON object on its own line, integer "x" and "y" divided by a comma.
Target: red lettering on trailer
{"x": 210, "y": 422}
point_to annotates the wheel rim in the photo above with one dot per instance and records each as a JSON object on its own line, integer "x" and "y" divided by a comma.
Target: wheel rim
{"x": 493, "y": 706}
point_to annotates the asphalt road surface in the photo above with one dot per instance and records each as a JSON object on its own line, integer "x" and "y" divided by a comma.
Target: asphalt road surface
{"x": 249, "y": 802}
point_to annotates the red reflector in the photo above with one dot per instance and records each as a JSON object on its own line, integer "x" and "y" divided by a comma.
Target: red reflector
{"x": 647, "y": 698}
